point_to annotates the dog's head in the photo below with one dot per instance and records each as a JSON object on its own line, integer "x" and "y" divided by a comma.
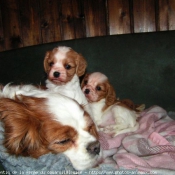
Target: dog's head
{"x": 96, "y": 87}
{"x": 62, "y": 63}
{"x": 49, "y": 123}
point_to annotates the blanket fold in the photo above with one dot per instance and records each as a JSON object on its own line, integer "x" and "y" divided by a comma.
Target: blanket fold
{"x": 149, "y": 148}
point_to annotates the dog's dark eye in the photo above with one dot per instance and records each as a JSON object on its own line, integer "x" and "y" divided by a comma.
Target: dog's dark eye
{"x": 98, "y": 88}
{"x": 67, "y": 66}
{"x": 62, "y": 142}
{"x": 51, "y": 64}
{"x": 85, "y": 82}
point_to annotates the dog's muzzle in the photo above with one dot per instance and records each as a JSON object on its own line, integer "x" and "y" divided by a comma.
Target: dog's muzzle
{"x": 87, "y": 91}
{"x": 94, "y": 148}
{"x": 56, "y": 74}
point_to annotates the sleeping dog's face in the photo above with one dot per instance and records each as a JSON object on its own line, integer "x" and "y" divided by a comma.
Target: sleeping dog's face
{"x": 38, "y": 122}
{"x": 96, "y": 87}
{"x": 62, "y": 63}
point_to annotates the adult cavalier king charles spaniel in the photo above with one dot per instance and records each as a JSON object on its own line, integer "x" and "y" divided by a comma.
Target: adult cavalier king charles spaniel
{"x": 37, "y": 122}
{"x": 111, "y": 116}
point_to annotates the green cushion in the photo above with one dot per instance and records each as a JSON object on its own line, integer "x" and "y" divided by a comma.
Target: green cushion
{"x": 141, "y": 67}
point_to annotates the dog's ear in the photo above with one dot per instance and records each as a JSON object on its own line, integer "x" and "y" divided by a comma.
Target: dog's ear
{"x": 81, "y": 65}
{"x": 111, "y": 95}
{"x": 83, "y": 82}
{"x": 46, "y": 63}
{"x": 21, "y": 128}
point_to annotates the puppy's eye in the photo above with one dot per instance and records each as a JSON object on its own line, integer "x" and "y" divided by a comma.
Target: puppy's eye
{"x": 85, "y": 82}
{"x": 51, "y": 64}
{"x": 62, "y": 142}
{"x": 98, "y": 88}
{"x": 67, "y": 66}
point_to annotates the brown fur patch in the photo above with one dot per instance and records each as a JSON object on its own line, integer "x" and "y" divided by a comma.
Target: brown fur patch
{"x": 30, "y": 130}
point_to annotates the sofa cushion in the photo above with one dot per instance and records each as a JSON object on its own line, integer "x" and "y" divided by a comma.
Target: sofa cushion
{"x": 141, "y": 67}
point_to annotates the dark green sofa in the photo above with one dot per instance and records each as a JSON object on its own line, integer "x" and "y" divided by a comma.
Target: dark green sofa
{"x": 141, "y": 67}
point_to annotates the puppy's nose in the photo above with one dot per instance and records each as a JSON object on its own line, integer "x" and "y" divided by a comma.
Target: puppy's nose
{"x": 56, "y": 74}
{"x": 86, "y": 91}
{"x": 94, "y": 148}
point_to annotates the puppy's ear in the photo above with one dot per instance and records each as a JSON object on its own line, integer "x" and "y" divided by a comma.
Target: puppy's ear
{"x": 84, "y": 80}
{"x": 81, "y": 65}
{"x": 46, "y": 63}
{"x": 111, "y": 95}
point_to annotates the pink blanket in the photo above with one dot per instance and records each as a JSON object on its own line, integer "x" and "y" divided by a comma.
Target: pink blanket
{"x": 150, "y": 148}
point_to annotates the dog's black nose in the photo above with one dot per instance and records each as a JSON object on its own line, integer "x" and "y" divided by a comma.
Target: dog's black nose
{"x": 94, "y": 148}
{"x": 86, "y": 91}
{"x": 56, "y": 74}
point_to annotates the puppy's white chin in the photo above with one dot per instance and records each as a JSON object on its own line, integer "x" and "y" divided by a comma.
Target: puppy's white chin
{"x": 90, "y": 100}
{"x": 58, "y": 81}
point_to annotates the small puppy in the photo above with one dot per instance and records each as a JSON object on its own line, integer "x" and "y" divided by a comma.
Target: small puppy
{"x": 64, "y": 66}
{"x": 110, "y": 115}
{"x": 37, "y": 122}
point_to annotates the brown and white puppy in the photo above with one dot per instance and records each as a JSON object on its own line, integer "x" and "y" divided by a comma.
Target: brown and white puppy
{"x": 110, "y": 115}
{"x": 64, "y": 66}
{"x": 38, "y": 122}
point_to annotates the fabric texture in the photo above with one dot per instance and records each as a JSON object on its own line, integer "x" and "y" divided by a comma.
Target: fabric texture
{"x": 150, "y": 148}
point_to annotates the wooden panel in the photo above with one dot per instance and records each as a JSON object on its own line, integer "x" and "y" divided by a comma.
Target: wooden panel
{"x": 30, "y": 21}
{"x": 79, "y": 19}
{"x": 2, "y": 47}
{"x": 11, "y": 25}
{"x": 95, "y": 17}
{"x": 67, "y": 20}
{"x": 50, "y": 28}
{"x": 171, "y": 15}
{"x": 166, "y": 16}
{"x": 144, "y": 16}
{"x": 119, "y": 17}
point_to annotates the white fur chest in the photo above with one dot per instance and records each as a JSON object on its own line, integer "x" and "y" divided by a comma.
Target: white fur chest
{"x": 71, "y": 89}
{"x": 96, "y": 108}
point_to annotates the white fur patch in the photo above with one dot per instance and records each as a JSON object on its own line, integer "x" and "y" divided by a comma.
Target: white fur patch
{"x": 64, "y": 49}
{"x": 61, "y": 54}
{"x": 9, "y": 91}
{"x": 97, "y": 77}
